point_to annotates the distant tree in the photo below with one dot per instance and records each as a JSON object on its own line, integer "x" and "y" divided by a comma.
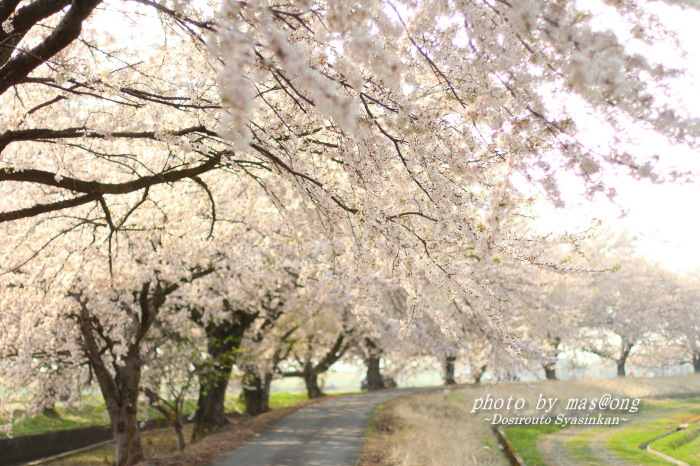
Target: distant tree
{"x": 624, "y": 308}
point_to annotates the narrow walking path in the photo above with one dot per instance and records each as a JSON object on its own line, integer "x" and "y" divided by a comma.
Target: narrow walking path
{"x": 327, "y": 433}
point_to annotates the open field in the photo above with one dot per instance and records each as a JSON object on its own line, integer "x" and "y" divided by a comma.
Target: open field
{"x": 455, "y": 426}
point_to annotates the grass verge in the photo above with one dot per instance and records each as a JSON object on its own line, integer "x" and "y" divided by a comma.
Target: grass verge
{"x": 96, "y": 414}
{"x": 383, "y": 425}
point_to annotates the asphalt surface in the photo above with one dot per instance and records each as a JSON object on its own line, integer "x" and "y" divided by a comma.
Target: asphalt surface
{"x": 327, "y": 433}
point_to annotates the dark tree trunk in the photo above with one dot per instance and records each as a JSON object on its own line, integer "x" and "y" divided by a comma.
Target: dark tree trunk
{"x": 696, "y": 362}
{"x": 622, "y": 360}
{"x": 313, "y": 390}
{"x": 621, "y": 367}
{"x": 374, "y": 375}
{"x": 256, "y": 393}
{"x": 122, "y": 410}
{"x": 449, "y": 375}
{"x": 120, "y": 388}
{"x": 550, "y": 367}
{"x": 120, "y": 391}
{"x": 550, "y": 370}
{"x": 180, "y": 433}
{"x": 210, "y": 403}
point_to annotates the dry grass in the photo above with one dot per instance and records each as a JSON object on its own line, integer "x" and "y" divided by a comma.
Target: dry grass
{"x": 428, "y": 429}
{"x": 383, "y": 426}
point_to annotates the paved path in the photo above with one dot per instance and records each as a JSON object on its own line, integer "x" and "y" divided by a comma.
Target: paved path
{"x": 327, "y": 433}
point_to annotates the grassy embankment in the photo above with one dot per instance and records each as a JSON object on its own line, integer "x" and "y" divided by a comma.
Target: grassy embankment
{"x": 683, "y": 445}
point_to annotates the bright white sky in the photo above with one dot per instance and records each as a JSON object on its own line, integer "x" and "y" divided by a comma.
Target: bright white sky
{"x": 665, "y": 218}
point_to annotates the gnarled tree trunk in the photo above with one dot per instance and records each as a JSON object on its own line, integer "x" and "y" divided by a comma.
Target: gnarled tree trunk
{"x": 123, "y": 410}
{"x": 210, "y": 403}
{"x": 223, "y": 339}
{"x": 121, "y": 390}
{"x": 374, "y": 375}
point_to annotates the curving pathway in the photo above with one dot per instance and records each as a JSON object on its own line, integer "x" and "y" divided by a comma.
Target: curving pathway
{"x": 326, "y": 433}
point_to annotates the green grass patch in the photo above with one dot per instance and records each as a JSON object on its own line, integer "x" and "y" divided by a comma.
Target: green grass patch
{"x": 524, "y": 440}
{"x": 285, "y": 399}
{"x": 580, "y": 448}
{"x": 461, "y": 398}
{"x": 277, "y": 400}
{"x": 154, "y": 444}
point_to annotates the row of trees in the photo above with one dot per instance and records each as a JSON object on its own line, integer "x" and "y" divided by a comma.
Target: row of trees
{"x": 269, "y": 185}
{"x": 640, "y": 312}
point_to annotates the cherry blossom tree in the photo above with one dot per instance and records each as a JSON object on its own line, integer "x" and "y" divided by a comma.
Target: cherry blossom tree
{"x": 624, "y": 308}
{"x": 117, "y": 287}
{"x": 97, "y": 321}
{"x": 310, "y": 358}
